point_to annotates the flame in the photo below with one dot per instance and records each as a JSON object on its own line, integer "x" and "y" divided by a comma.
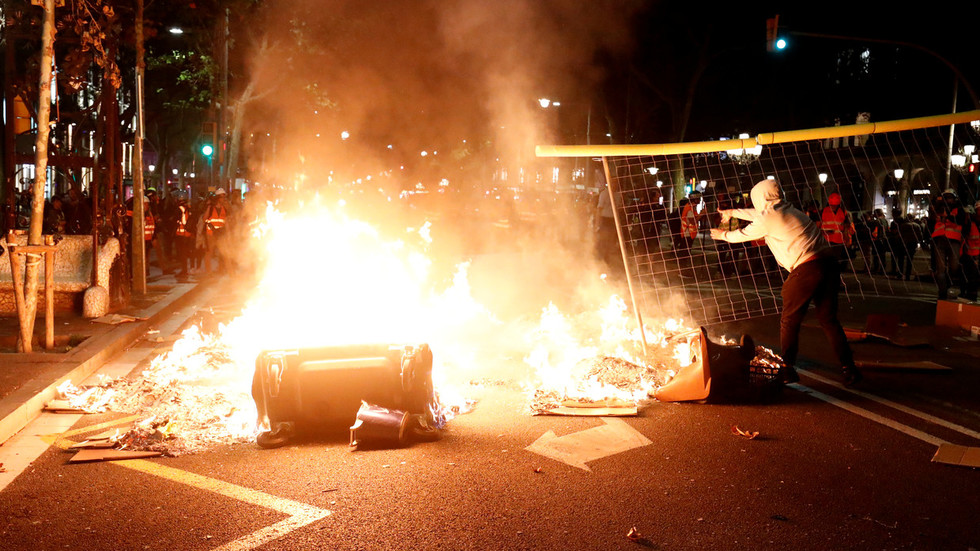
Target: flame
{"x": 569, "y": 363}
{"x": 326, "y": 277}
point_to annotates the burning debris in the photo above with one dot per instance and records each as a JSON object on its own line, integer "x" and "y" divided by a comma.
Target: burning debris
{"x": 607, "y": 382}
{"x": 188, "y": 400}
{"x": 288, "y": 358}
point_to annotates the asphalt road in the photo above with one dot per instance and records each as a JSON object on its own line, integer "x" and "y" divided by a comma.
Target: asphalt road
{"x": 818, "y": 476}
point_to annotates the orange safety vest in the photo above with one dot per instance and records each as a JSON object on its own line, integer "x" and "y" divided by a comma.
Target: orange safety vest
{"x": 973, "y": 241}
{"x": 947, "y": 227}
{"x": 148, "y": 226}
{"x": 182, "y": 230}
{"x": 216, "y": 217}
{"x": 689, "y": 221}
{"x": 832, "y": 224}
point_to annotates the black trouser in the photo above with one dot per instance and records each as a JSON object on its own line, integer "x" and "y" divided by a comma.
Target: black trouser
{"x": 947, "y": 263}
{"x": 908, "y": 257}
{"x": 818, "y": 281}
{"x": 185, "y": 249}
{"x": 971, "y": 274}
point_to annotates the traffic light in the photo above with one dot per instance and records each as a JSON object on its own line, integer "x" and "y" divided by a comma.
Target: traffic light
{"x": 207, "y": 150}
{"x": 774, "y": 42}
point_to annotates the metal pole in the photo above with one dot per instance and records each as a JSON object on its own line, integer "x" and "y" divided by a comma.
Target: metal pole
{"x": 49, "y": 292}
{"x": 952, "y": 129}
{"x": 613, "y": 190}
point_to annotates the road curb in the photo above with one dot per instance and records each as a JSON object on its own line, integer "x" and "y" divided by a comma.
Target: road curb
{"x": 24, "y": 404}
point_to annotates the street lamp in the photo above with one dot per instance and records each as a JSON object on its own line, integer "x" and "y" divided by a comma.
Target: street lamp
{"x": 964, "y": 158}
{"x": 745, "y": 156}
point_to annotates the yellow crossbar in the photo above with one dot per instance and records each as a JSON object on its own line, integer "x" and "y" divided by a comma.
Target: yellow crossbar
{"x": 621, "y": 150}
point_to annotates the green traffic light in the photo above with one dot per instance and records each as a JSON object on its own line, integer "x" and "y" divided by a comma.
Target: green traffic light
{"x": 207, "y": 150}
{"x": 781, "y": 44}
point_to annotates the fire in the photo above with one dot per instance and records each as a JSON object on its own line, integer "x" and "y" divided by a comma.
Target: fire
{"x": 325, "y": 277}
{"x": 572, "y": 365}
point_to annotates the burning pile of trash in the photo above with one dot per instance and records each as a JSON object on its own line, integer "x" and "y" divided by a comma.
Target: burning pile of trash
{"x": 187, "y": 399}
{"x": 598, "y": 360}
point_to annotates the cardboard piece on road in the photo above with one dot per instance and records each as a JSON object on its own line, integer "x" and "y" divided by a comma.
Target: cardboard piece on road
{"x": 93, "y": 444}
{"x": 593, "y": 411}
{"x": 61, "y": 406}
{"x": 926, "y": 365}
{"x": 952, "y": 454}
{"x": 110, "y": 455}
{"x": 610, "y": 407}
{"x": 102, "y": 440}
{"x": 116, "y": 319}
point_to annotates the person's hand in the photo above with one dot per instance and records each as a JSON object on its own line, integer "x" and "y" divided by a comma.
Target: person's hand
{"x": 718, "y": 233}
{"x": 726, "y": 215}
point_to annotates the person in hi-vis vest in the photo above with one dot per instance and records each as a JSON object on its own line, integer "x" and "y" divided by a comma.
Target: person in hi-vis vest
{"x": 836, "y": 226}
{"x": 215, "y": 223}
{"x": 946, "y": 224}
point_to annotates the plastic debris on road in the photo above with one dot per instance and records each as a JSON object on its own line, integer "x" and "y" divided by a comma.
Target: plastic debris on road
{"x": 750, "y": 435}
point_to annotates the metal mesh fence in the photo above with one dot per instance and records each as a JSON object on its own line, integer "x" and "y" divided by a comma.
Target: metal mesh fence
{"x": 887, "y": 183}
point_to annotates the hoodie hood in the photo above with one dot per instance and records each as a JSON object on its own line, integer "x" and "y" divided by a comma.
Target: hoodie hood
{"x": 765, "y": 195}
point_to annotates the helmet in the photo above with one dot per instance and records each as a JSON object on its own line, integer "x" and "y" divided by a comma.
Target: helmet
{"x": 834, "y": 199}
{"x": 220, "y": 191}
{"x": 949, "y": 191}
{"x": 180, "y": 195}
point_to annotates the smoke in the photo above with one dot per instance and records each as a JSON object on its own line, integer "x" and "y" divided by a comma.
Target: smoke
{"x": 396, "y": 95}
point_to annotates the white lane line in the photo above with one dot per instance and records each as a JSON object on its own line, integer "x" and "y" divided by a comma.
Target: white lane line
{"x": 870, "y": 415}
{"x": 22, "y": 449}
{"x": 298, "y": 514}
{"x": 895, "y": 405}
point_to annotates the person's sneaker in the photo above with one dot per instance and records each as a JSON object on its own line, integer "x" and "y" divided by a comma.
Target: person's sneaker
{"x": 788, "y": 375}
{"x": 851, "y": 376}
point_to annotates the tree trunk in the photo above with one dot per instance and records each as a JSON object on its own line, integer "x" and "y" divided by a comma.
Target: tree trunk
{"x": 34, "y": 237}
{"x": 138, "y": 241}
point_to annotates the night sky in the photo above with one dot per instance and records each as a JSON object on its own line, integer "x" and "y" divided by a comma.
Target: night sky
{"x": 744, "y": 88}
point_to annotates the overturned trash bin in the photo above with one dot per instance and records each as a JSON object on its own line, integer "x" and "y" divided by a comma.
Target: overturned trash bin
{"x": 720, "y": 373}
{"x": 322, "y": 389}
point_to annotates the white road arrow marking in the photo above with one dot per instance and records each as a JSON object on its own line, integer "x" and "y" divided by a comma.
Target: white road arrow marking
{"x": 579, "y": 448}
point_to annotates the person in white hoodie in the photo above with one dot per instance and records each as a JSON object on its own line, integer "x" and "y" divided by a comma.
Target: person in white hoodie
{"x": 799, "y": 246}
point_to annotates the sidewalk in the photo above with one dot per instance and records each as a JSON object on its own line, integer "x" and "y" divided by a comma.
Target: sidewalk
{"x": 28, "y": 381}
